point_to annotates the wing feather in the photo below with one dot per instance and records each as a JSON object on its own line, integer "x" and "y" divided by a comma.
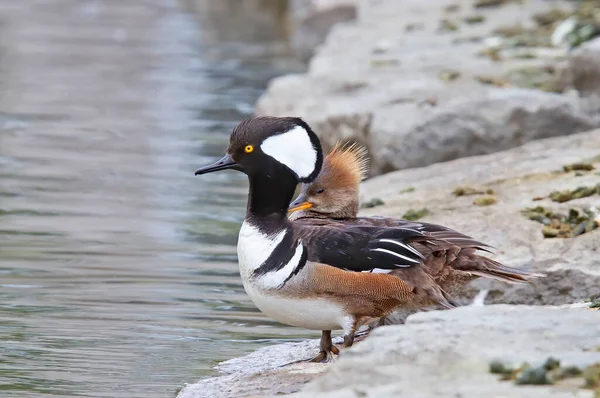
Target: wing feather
{"x": 360, "y": 248}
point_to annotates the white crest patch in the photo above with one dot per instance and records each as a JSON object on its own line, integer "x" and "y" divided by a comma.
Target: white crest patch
{"x": 293, "y": 149}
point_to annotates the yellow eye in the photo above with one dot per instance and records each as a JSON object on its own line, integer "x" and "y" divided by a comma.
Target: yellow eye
{"x": 248, "y": 149}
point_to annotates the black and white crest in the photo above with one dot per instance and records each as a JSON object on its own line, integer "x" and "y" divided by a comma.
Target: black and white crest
{"x": 287, "y": 140}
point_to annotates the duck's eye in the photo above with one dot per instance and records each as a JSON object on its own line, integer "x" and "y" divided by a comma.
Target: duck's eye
{"x": 248, "y": 148}
{"x": 320, "y": 190}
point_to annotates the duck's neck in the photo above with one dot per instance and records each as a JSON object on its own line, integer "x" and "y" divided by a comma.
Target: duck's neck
{"x": 269, "y": 199}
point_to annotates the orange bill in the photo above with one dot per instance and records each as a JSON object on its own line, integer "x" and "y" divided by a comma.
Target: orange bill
{"x": 301, "y": 206}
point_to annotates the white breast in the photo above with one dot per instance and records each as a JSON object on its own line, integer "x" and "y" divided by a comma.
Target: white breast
{"x": 254, "y": 248}
{"x": 317, "y": 314}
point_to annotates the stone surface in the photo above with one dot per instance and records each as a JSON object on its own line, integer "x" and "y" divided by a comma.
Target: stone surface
{"x": 582, "y": 73}
{"x": 409, "y": 135}
{"x": 311, "y": 21}
{"x": 447, "y": 354}
{"x": 406, "y": 90}
{"x": 261, "y": 372}
{"x": 439, "y": 353}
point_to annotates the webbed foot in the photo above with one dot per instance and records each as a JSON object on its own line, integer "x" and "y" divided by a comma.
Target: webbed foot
{"x": 326, "y": 356}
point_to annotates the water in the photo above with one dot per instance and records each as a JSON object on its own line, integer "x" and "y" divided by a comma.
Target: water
{"x": 118, "y": 274}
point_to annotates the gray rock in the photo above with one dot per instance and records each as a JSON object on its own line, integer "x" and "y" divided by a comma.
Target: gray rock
{"x": 439, "y": 353}
{"x": 261, "y": 372}
{"x": 311, "y": 21}
{"x": 448, "y": 354}
{"x": 409, "y": 135}
{"x": 377, "y": 89}
{"x": 582, "y": 73}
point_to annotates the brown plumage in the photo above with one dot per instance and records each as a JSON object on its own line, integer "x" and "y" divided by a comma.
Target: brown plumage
{"x": 451, "y": 259}
{"x": 344, "y": 167}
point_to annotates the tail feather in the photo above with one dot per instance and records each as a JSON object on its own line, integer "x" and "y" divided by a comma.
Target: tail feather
{"x": 448, "y": 301}
{"x": 475, "y": 264}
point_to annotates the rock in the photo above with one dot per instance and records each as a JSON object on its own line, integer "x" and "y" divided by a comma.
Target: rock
{"x": 261, "y": 372}
{"x": 408, "y": 135}
{"x": 448, "y": 353}
{"x": 582, "y": 73}
{"x": 390, "y": 89}
{"x": 439, "y": 353}
{"x": 517, "y": 177}
{"x": 311, "y": 20}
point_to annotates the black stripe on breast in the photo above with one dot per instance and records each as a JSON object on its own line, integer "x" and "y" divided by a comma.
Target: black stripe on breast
{"x": 280, "y": 256}
{"x": 301, "y": 264}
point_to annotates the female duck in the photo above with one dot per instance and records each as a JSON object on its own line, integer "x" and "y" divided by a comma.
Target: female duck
{"x": 334, "y": 195}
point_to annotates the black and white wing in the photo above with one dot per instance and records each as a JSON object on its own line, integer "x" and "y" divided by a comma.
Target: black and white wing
{"x": 361, "y": 248}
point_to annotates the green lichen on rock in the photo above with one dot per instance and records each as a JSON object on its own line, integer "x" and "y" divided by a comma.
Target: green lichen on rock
{"x": 534, "y": 376}
{"x": 569, "y": 371}
{"x": 579, "y": 166}
{"x": 595, "y": 303}
{"x": 413, "y": 214}
{"x": 407, "y": 190}
{"x": 485, "y": 201}
{"x": 577, "y": 193}
{"x": 492, "y": 80}
{"x": 452, "y": 8}
{"x": 493, "y": 53}
{"x": 474, "y": 19}
{"x": 541, "y": 77}
{"x": 584, "y": 24}
{"x": 508, "y": 31}
{"x": 587, "y": 24}
{"x": 449, "y": 75}
{"x": 591, "y": 375}
{"x": 467, "y": 191}
{"x": 507, "y": 371}
{"x": 551, "y": 16}
{"x": 493, "y": 3}
{"x": 499, "y": 367}
{"x": 550, "y": 232}
{"x": 372, "y": 203}
{"x": 556, "y": 225}
{"x": 549, "y": 373}
{"x": 411, "y": 27}
{"x": 447, "y": 25}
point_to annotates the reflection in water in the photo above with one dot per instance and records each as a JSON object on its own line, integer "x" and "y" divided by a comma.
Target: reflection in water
{"x": 118, "y": 267}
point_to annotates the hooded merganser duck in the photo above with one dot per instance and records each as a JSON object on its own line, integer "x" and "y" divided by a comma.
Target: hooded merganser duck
{"x": 334, "y": 195}
{"x": 324, "y": 276}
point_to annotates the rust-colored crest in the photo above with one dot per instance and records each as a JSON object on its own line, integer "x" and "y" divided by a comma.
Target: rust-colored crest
{"x": 345, "y": 165}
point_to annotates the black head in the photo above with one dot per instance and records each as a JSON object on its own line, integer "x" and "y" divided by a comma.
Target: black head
{"x": 267, "y": 145}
